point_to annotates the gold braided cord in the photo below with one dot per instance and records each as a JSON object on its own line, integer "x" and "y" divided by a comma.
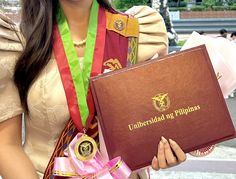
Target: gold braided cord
{"x": 133, "y": 50}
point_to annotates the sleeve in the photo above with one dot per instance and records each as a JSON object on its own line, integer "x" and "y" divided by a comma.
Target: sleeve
{"x": 153, "y": 39}
{"x": 10, "y": 48}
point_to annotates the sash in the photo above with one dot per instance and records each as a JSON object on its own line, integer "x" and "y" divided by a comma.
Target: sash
{"x": 106, "y": 56}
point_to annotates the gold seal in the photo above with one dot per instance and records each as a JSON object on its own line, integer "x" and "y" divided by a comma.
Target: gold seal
{"x": 85, "y": 148}
{"x": 203, "y": 151}
{"x": 119, "y": 25}
{"x": 161, "y": 102}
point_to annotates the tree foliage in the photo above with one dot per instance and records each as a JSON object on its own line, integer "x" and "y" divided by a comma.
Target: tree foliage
{"x": 126, "y": 4}
{"x": 209, "y": 4}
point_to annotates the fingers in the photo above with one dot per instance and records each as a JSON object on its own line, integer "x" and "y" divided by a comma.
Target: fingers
{"x": 169, "y": 154}
{"x": 161, "y": 155}
{"x": 155, "y": 163}
{"x": 181, "y": 156}
{"x": 170, "y": 158}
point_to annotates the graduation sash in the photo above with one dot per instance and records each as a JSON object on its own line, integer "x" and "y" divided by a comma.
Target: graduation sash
{"x": 104, "y": 53}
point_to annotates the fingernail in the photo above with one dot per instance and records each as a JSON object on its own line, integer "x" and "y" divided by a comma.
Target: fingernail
{"x": 172, "y": 141}
{"x": 160, "y": 143}
{"x": 163, "y": 139}
{"x": 155, "y": 163}
{"x": 154, "y": 159}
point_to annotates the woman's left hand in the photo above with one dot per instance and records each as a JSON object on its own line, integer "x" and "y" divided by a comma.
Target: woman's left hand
{"x": 169, "y": 154}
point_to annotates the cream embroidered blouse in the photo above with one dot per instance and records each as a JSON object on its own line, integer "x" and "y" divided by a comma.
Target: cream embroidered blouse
{"x": 46, "y": 98}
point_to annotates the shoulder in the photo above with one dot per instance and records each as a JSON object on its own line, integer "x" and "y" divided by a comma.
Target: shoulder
{"x": 149, "y": 20}
{"x": 144, "y": 23}
{"x": 10, "y": 36}
{"x": 153, "y": 39}
{"x": 10, "y": 46}
{"x": 144, "y": 14}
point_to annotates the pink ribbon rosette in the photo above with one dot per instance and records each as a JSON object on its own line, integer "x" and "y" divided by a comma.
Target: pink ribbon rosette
{"x": 71, "y": 166}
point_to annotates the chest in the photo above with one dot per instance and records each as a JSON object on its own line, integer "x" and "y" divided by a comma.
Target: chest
{"x": 46, "y": 99}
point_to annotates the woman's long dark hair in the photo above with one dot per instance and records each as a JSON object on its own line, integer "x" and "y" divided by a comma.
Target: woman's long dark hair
{"x": 36, "y": 26}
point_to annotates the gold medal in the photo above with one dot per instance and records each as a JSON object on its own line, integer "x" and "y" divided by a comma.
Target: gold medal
{"x": 85, "y": 148}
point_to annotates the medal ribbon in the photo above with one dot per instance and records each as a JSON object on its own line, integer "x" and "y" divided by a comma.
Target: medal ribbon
{"x": 71, "y": 167}
{"x": 76, "y": 81}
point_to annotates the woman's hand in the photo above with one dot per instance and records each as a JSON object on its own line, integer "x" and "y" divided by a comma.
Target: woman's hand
{"x": 169, "y": 154}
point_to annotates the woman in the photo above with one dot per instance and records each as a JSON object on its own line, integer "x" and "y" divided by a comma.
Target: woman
{"x": 55, "y": 29}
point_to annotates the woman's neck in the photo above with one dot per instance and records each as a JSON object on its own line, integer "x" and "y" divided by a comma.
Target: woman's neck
{"x": 77, "y": 13}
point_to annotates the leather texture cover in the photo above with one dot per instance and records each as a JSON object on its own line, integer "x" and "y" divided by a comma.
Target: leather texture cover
{"x": 177, "y": 96}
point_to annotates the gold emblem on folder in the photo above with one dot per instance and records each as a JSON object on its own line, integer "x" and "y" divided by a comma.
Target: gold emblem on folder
{"x": 161, "y": 102}
{"x": 85, "y": 148}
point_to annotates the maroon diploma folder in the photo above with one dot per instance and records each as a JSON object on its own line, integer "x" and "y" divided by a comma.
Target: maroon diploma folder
{"x": 177, "y": 96}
